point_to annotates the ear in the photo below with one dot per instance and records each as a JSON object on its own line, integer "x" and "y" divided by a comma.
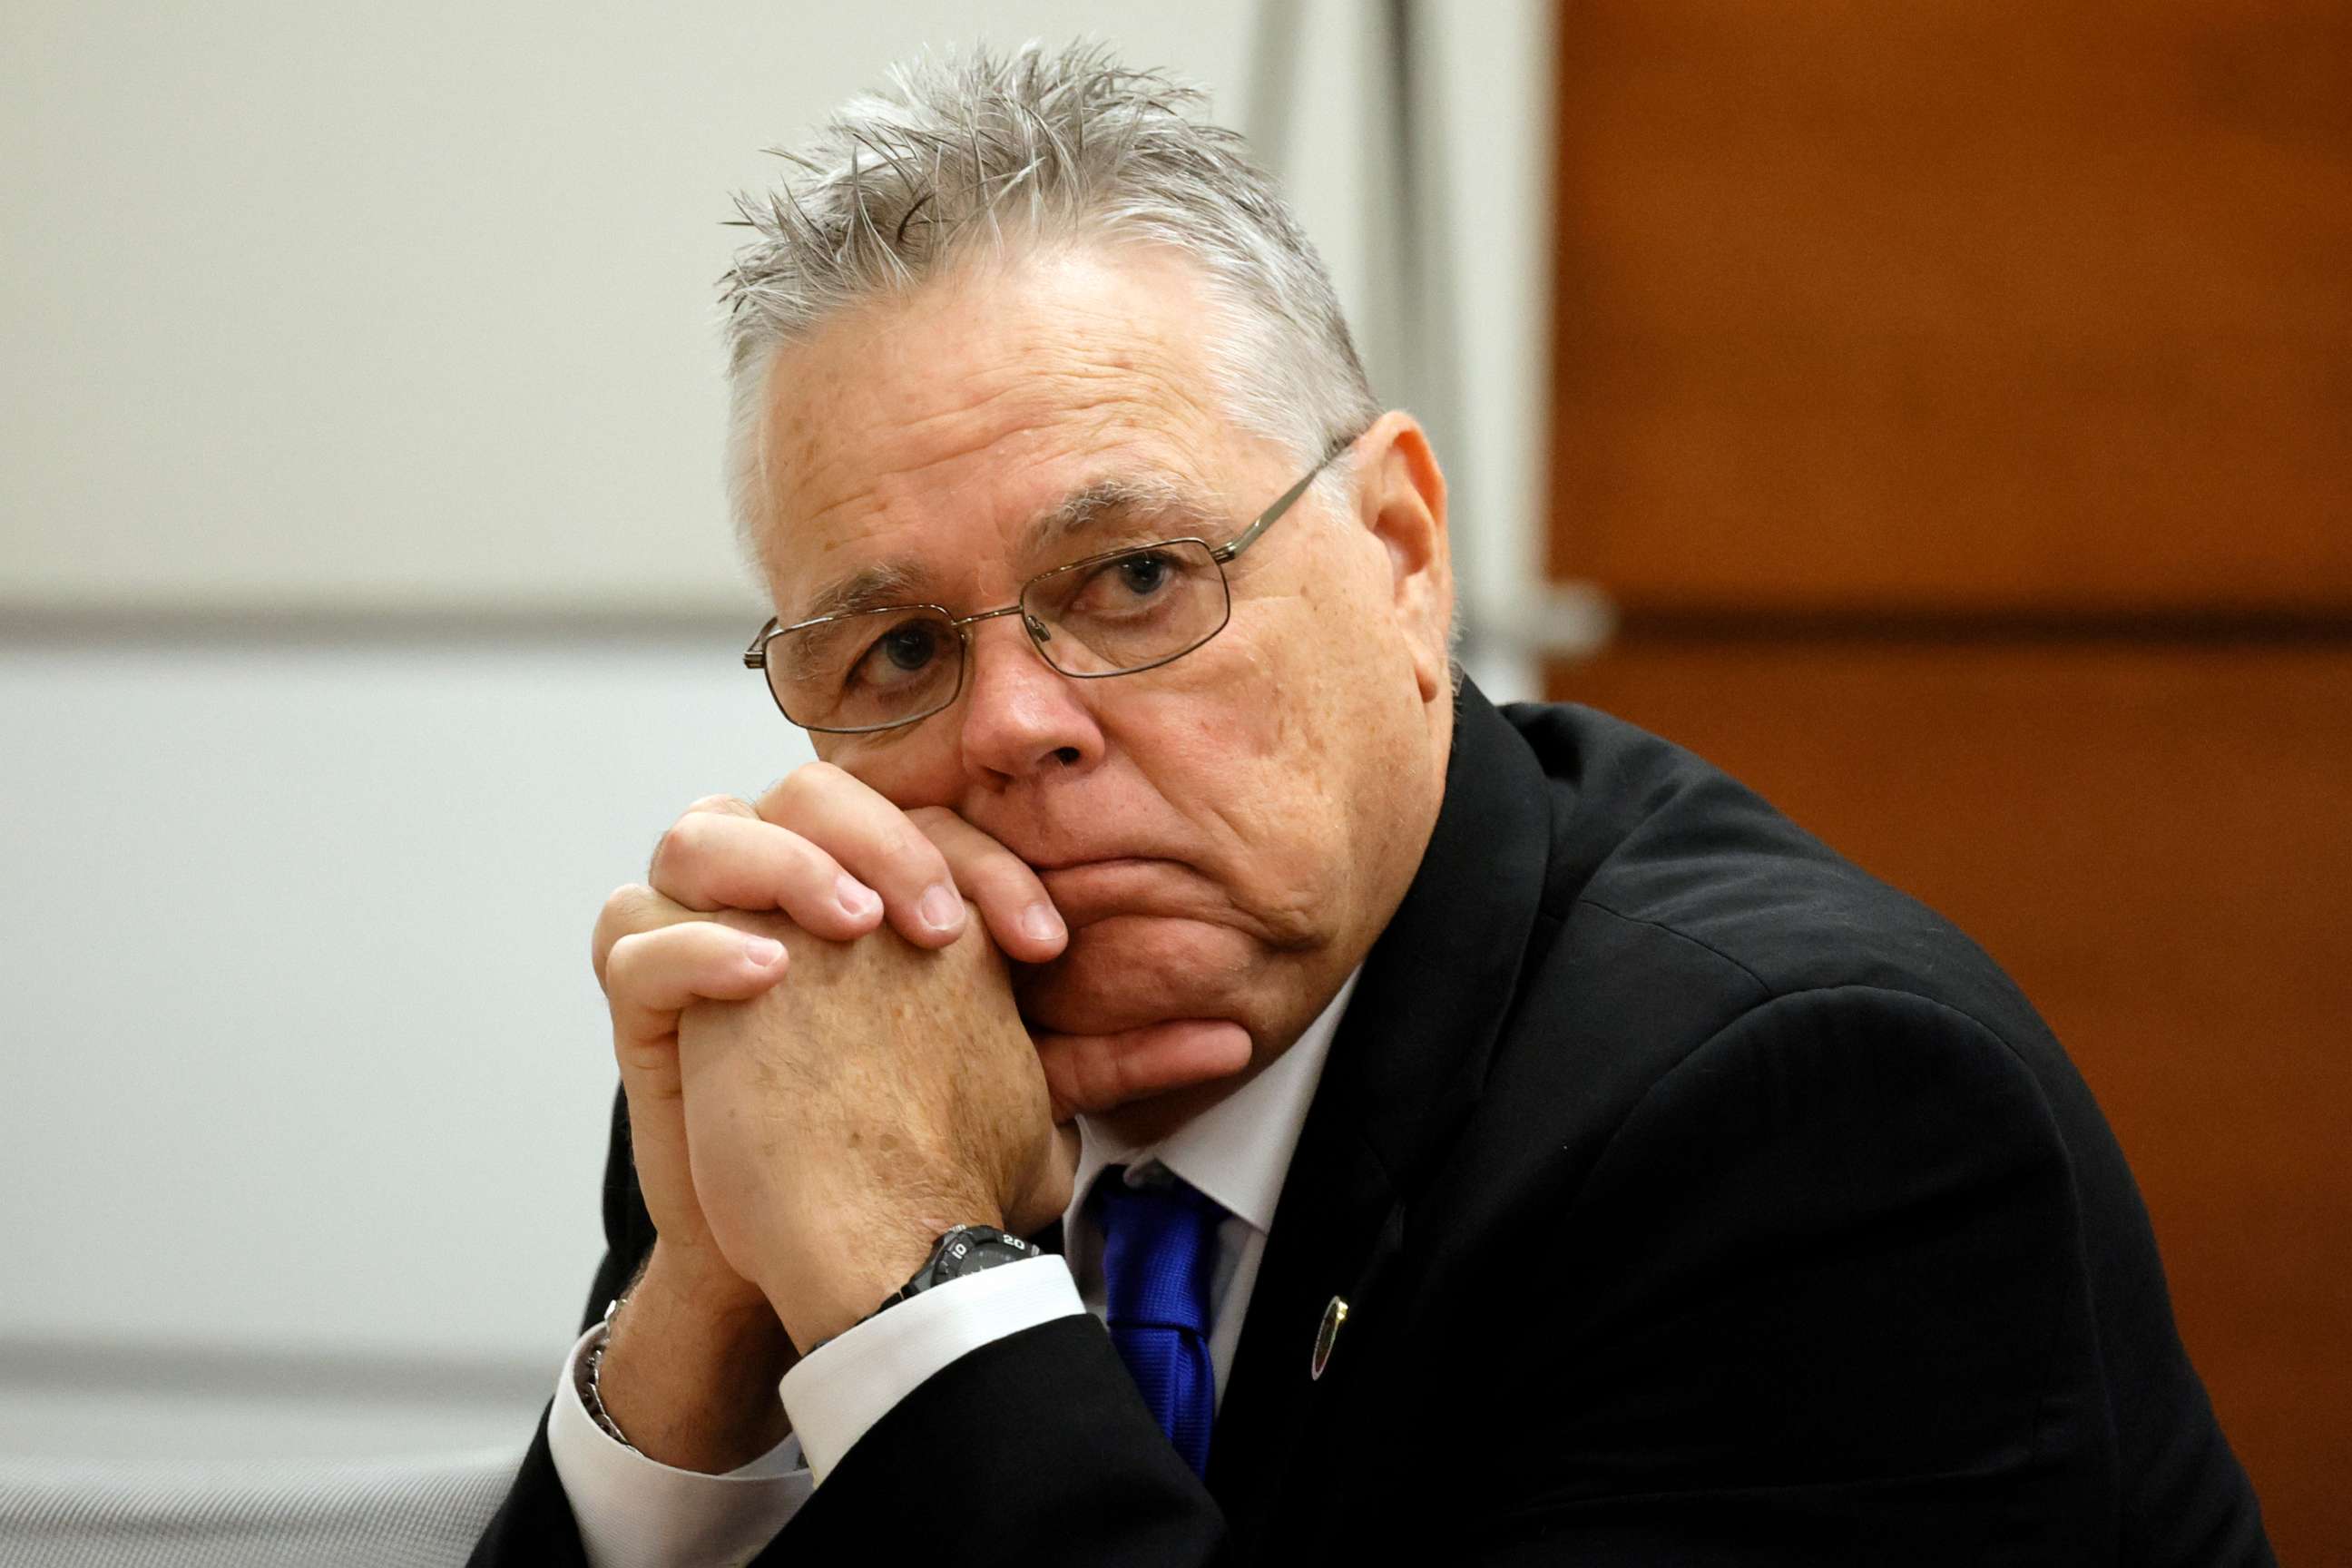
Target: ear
{"x": 1401, "y": 496}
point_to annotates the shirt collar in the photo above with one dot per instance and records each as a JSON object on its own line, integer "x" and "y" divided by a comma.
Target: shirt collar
{"x": 1238, "y": 1150}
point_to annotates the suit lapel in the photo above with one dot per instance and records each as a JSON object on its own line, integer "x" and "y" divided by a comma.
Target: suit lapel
{"x": 1404, "y": 1069}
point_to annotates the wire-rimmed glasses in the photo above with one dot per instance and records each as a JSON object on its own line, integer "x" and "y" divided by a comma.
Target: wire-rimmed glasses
{"x": 1115, "y": 613}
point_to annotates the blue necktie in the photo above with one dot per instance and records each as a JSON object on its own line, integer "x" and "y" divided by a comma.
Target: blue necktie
{"x": 1160, "y": 1256}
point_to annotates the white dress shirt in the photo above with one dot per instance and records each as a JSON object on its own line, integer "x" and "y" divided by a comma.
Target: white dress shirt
{"x": 634, "y": 1513}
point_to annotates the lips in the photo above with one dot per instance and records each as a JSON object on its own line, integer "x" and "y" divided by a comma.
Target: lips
{"x": 1087, "y": 891}
{"x": 1042, "y": 864}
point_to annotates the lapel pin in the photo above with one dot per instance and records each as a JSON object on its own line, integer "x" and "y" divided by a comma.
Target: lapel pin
{"x": 1327, "y": 1335}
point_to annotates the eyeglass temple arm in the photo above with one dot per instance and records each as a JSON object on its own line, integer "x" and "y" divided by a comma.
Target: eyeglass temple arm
{"x": 1265, "y": 520}
{"x": 756, "y": 656}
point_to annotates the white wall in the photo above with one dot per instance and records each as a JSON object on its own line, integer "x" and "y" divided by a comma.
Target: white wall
{"x": 305, "y": 1061}
{"x": 407, "y": 303}
{"x": 366, "y": 608}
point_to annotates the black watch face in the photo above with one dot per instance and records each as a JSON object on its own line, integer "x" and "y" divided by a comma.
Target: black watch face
{"x": 971, "y": 1248}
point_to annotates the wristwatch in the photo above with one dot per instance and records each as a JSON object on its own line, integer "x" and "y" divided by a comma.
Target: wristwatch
{"x": 966, "y": 1249}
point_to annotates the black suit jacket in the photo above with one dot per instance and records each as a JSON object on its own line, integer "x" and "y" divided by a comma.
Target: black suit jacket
{"x": 1695, "y": 1198}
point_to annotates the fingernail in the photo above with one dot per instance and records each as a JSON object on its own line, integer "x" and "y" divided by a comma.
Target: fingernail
{"x": 763, "y": 951}
{"x": 940, "y": 909}
{"x": 856, "y": 900}
{"x": 1040, "y": 923}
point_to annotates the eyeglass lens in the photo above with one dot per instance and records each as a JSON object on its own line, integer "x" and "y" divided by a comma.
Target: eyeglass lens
{"x": 1101, "y": 617}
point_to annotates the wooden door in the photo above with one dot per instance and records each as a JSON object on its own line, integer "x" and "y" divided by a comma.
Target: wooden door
{"x": 1955, "y": 400}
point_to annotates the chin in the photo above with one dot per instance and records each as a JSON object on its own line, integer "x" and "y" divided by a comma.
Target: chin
{"x": 1131, "y": 970}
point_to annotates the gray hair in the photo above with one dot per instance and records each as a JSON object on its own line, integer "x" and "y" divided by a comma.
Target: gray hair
{"x": 967, "y": 155}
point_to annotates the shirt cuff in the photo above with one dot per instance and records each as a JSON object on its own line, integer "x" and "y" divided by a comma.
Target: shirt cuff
{"x": 844, "y": 1386}
{"x": 636, "y": 1512}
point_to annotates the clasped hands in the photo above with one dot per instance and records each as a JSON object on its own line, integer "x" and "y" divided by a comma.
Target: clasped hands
{"x": 825, "y": 1063}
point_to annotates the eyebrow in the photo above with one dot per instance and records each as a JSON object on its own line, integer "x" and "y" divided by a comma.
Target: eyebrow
{"x": 1091, "y": 509}
{"x": 869, "y": 588}
{"x": 1115, "y": 499}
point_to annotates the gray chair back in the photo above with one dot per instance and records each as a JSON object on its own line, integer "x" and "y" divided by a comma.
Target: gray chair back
{"x": 417, "y": 1513}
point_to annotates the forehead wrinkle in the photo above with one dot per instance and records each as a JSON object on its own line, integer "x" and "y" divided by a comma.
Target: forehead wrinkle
{"x": 1148, "y": 491}
{"x": 1055, "y": 374}
{"x": 873, "y": 482}
{"x": 1106, "y": 410}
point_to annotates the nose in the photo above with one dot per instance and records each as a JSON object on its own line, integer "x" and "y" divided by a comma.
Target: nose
{"x": 1021, "y": 718}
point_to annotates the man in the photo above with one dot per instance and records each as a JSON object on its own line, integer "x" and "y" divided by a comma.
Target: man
{"x": 1486, "y": 1136}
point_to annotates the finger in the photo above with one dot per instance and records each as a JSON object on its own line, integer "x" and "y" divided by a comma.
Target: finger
{"x": 651, "y": 976}
{"x": 875, "y": 843}
{"x": 1085, "y": 1074}
{"x": 720, "y": 860}
{"x": 633, "y": 907}
{"x": 1019, "y": 912}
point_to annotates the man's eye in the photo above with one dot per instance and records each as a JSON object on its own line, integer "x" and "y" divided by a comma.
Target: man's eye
{"x": 910, "y": 648}
{"x": 903, "y": 650}
{"x": 1128, "y": 588}
{"x": 1144, "y": 575}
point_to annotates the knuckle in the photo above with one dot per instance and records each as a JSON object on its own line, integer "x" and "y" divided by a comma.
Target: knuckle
{"x": 619, "y": 898}
{"x": 807, "y": 780}
{"x": 623, "y": 910}
{"x": 633, "y": 909}
{"x": 622, "y": 963}
{"x": 680, "y": 843}
{"x": 721, "y": 806}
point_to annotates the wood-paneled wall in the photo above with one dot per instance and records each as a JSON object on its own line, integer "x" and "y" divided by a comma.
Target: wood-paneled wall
{"x": 1955, "y": 400}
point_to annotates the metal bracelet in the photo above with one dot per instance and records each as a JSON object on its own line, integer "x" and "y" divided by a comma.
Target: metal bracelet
{"x": 594, "y": 1365}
